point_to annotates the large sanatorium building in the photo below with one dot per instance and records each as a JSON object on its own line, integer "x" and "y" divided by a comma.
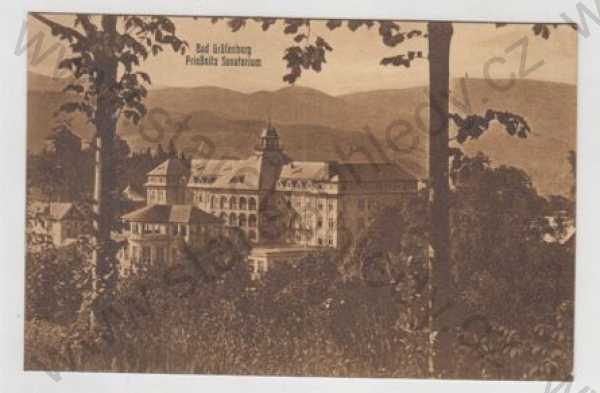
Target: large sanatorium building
{"x": 285, "y": 208}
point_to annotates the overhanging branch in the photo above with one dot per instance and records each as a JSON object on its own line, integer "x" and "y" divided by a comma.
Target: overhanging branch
{"x": 59, "y": 29}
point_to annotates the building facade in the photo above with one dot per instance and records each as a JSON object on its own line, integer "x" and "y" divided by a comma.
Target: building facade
{"x": 278, "y": 203}
{"x": 274, "y": 199}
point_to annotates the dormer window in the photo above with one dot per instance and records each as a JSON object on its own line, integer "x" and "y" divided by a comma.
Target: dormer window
{"x": 237, "y": 179}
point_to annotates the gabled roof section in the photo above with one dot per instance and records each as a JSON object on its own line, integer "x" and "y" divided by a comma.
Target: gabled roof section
{"x": 233, "y": 174}
{"x": 191, "y": 215}
{"x": 257, "y": 172}
{"x": 347, "y": 172}
{"x": 204, "y": 167}
{"x": 162, "y": 214}
{"x": 57, "y": 210}
{"x": 170, "y": 167}
{"x": 240, "y": 175}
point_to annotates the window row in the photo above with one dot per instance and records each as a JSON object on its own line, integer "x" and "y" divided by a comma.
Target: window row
{"x": 308, "y": 223}
{"x": 157, "y": 195}
{"x": 299, "y": 184}
{"x": 173, "y": 229}
{"x": 312, "y": 203}
{"x": 241, "y": 220}
{"x": 300, "y": 236}
{"x": 204, "y": 179}
{"x": 145, "y": 254}
{"x": 363, "y": 203}
{"x": 232, "y": 203}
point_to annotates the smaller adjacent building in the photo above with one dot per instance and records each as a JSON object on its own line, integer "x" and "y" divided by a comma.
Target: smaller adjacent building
{"x": 153, "y": 234}
{"x": 63, "y": 222}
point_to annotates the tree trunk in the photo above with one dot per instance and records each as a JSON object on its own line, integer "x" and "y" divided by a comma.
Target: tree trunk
{"x": 103, "y": 253}
{"x": 439, "y": 37}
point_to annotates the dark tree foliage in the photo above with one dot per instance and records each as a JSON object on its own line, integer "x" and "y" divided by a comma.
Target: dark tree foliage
{"x": 309, "y": 51}
{"x": 509, "y": 277}
{"x": 55, "y": 282}
{"x": 105, "y": 54}
{"x": 365, "y": 317}
{"x": 56, "y": 278}
{"x": 57, "y": 172}
{"x": 95, "y": 40}
{"x": 473, "y": 126}
{"x": 542, "y": 29}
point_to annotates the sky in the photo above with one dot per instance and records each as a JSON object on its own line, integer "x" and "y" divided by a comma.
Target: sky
{"x": 353, "y": 65}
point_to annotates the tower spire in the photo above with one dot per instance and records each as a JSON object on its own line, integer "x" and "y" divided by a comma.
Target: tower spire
{"x": 269, "y": 140}
{"x": 269, "y": 114}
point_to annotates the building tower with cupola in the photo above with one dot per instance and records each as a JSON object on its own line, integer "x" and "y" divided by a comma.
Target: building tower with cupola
{"x": 166, "y": 184}
{"x": 269, "y": 139}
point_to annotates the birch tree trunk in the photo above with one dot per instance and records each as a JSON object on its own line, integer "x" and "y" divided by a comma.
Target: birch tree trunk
{"x": 103, "y": 253}
{"x": 439, "y": 37}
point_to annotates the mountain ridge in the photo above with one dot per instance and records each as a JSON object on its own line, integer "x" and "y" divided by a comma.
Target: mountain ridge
{"x": 355, "y": 122}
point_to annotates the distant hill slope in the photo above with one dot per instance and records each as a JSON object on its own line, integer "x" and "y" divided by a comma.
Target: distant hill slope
{"x": 316, "y": 126}
{"x": 549, "y": 108}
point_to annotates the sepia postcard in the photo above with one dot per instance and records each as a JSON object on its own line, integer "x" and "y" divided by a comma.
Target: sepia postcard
{"x": 300, "y": 197}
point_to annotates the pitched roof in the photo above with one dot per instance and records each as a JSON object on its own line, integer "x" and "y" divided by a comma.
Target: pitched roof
{"x": 346, "y": 172}
{"x": 241, "y": 174}
{"x": 170, "y": 167}
{"x": 184, "y": 214}
{"x": 259, "y": 171}
{"x": 54, "y": 210}
{"x": 234, "y": 174}
{"x": 367, "y": 172}
{"x": 204, "y": 167}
